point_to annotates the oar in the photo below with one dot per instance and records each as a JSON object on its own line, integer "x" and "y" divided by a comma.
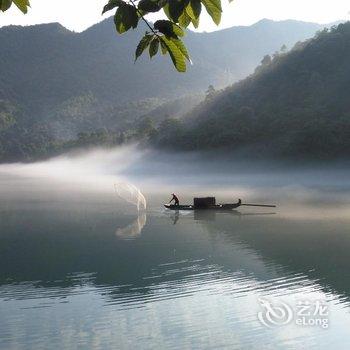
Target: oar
{"x": 260, "y": 205}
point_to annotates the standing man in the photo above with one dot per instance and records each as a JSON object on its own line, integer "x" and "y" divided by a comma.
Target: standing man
{"x": 175, "y": 199}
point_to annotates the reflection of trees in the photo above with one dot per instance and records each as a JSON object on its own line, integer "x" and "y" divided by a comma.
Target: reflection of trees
{"x": 313, "y": 248}
{"x": 134, "y": 229}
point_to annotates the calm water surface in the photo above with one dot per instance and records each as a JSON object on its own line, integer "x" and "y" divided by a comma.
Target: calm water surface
{"x": 89, "y": 272}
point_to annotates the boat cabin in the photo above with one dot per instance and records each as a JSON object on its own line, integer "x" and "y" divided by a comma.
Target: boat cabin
{"x": 203, "y": 203}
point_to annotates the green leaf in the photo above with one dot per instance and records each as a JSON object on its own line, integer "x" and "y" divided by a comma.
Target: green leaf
{"x": 195, "y": 22}
{"x": 176, "y": 55}
{"x": 143, "y": 44}
{"x": 22, "y": 5}
{"x": 125, "y": 18}
{"x": 166, "y": 10}
{"x": 111, "y": 5}
{"x": 176, "y": 8}
{"x": 169, "y": 28}
{"x": 163, "y": 48}
{"x": 178, "y": 30}
{"x": 154, "y": 47}
{"x": 194, "y": 9}
{"x": 180, "y": 45}
{"x": 5, "y": 5}
{"x": 141, "y": 13}
{"x": 214, "y": 9}
{"x": 151, "y": 5}
{"x": 184, "y": 20}
{"x": 165, "y": 27}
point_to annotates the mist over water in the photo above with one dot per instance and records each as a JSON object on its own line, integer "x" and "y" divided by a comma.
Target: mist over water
{"x": 138, "y": 176}
{"x": 89, "y": 257}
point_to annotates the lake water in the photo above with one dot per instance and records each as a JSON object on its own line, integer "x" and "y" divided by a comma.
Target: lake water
{"x": 82, "y": 269}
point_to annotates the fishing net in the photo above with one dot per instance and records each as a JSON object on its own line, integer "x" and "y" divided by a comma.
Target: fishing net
{"x": 131, "y": 194}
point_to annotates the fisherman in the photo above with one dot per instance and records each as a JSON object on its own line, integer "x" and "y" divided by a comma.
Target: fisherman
{"x": 175, "y": 199}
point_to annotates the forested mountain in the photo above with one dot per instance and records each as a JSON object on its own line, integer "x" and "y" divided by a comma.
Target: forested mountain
{"x": 296, "y": 104}
{"x": 45, "y": 65}
{"x": 55, "y": 84}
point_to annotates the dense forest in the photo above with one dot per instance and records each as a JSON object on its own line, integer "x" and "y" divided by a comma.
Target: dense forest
{"x": 296, "y": 104}
{"x": 61, "y": 90}
{"x": 81, "y": 123}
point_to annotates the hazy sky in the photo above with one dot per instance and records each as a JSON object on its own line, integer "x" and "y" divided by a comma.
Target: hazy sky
{"x": 79, "y": 14}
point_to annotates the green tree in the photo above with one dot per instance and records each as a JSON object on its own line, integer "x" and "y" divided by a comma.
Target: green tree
{"x": 161, "y": 36}
{"x": 169, "y": 128}
{"x": 210, "y": 93}
{"x": 145, "y": 127}
{"x": 266, "y": 60}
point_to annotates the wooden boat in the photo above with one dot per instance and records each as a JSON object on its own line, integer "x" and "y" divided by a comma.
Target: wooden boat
{"x": 192, "y": 207}
{"x": 218, "y": 207}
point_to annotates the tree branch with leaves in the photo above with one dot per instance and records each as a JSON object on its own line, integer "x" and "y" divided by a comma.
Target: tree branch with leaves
{"x": 163, "y": 34}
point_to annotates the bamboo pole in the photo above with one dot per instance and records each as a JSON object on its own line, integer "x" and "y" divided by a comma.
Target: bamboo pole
{"x": 260, "y": 205}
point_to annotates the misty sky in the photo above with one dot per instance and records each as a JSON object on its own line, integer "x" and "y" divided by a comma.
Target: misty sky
{"x": 79, "y": 14}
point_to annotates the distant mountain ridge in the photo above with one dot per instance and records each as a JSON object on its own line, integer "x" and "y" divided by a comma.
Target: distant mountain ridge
{"x": 46, "y": 64}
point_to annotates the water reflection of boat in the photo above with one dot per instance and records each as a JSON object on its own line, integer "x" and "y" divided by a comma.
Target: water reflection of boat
{"x": 134, "y": 229}
{"x": 211, "y": 215}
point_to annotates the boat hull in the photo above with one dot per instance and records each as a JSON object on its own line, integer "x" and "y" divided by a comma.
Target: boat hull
{"x": 217, "y": 207}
